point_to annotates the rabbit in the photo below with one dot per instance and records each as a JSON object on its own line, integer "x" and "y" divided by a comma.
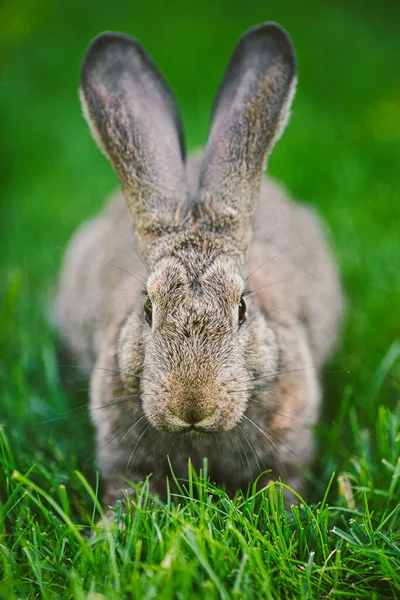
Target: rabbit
{"x": 202, "y": 302}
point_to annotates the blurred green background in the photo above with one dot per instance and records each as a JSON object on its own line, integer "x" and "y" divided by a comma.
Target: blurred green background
{"x": 340, "y": 153}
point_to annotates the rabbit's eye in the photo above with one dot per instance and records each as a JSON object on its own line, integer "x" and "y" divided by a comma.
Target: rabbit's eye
{"x": 242, "y": 310}
{"x": 148, "y": 310}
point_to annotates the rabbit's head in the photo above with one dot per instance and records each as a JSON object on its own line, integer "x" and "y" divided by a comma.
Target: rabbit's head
{"x": 197, "y": 337}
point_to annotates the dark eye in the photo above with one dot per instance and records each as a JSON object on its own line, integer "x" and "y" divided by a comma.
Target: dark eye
{"x": 148, "y": 310}
{"x": 242, "y": 310}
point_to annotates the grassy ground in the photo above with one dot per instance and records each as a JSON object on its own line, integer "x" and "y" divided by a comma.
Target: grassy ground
{"x": 341, "y": 153}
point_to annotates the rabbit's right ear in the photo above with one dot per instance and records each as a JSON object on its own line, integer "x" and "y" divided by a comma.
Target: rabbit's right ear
{"x": 134, "y": 118}
{"x": 250, "y": 111}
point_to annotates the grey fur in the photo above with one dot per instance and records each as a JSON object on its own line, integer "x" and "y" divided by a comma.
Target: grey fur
{"x": 196, "y": 383}
{"x": 250, "y": 112}
{"x": 134, "y": 118}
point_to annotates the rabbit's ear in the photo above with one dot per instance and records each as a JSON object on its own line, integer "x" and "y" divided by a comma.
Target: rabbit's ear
{"x": 250, "y": 112}
{"x": 134, "y": 119}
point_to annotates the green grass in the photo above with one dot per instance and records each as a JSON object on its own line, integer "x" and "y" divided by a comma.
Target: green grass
{"x": 201, "y": 542}
{"x": 341, "y": 153}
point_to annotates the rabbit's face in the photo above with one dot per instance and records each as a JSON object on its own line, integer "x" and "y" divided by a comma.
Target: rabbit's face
{"x": 201, "y": 344}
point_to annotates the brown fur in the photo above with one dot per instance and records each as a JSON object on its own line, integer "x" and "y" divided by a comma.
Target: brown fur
{"x": 196, "y": 383}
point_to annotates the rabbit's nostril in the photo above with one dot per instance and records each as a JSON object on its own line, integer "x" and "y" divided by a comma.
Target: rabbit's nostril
{"x": 191, "y": 415}
{"x": 207, "y": 424}
{"x": 187, "y": 414}
{"x": 191, "y": 418}
{"x": 177, "y": 418}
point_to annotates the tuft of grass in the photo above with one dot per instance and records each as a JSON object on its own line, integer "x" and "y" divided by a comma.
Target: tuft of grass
{"x": 201, "y": 542}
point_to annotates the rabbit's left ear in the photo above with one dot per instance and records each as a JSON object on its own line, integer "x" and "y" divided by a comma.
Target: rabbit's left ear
{"x": 250, "y": 112}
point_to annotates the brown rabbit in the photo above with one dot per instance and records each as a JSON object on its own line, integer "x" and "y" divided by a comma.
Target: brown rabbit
{"x": 204, "y": 335}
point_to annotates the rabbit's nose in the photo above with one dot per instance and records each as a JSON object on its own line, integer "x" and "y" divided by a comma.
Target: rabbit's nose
{"x": 193, "y": 409}
{"x": 188, "y": 416}
{"x": 192, "y": 416}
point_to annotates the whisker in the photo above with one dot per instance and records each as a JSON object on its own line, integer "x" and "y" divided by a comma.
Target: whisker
{"x": 270, "y": 375}
{"x": 153, "y": 434}
{"x": 267, "y": 285}
{"x": 272, "y": 258}
{"x": 236, "y": 447}
{"x": 250, "y": 443}
{"x": 131, "y": 246}
{"x": 270, "y": 442}
{"x": 118, "y": 400}
{"x": 273, "y": 391}
{"x": 89, "y": 375}
{"x": 137, "y": 444}
{"x": 270, "y": 410}
{"x": 121, "y": 269}
{"x": 75, "y": 379}
{"x": 143, "y": 242}
{"x": 285, "y": 446}
{"x": 132, "y": 297}
{"x": 129, "y": 430}
{"x": 130, "y": 427}
{"x": 284, "y": 394}
{"x": 245, "y": 453}
{"x": 102, "y": 289}
{"x": 122, "y": 372}
{"x": 255, "y": 389}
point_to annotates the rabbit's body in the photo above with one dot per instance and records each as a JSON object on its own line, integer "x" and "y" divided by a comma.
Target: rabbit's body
{"x": 191, "y": 382}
